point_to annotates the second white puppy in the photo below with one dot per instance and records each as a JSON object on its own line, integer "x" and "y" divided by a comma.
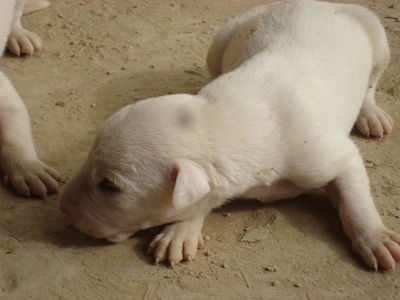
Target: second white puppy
{"x": 297, "y": 76}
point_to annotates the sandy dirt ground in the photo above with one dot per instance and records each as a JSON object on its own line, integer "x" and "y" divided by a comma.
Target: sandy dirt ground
{"x": 100, "y": 55}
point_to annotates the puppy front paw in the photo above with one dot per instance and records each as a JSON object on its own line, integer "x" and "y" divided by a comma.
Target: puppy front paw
{"x": 33, "y": 178}
{"x": 379, "y": 248}
{"x": 177, "y": 242}
{"x": 374, "y": 121}
{"x": 22, "y": 41}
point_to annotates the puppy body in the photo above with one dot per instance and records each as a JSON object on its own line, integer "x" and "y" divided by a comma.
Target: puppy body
{"x": 18, "y": 158}
{"x": 296, "y": 77}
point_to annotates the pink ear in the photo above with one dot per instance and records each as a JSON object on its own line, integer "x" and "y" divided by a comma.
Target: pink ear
{"x": 191, "y": 183}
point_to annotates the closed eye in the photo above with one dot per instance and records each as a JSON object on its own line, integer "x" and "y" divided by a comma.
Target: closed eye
{"x": 107, "y": 185}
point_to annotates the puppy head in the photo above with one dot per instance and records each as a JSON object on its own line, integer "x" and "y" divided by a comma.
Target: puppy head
{"x": 142, "y": 170}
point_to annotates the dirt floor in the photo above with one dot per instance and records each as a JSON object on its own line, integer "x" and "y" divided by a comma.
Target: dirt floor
{"x": 100, "y": 55}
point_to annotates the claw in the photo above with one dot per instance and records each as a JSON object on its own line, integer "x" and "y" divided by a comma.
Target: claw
{"x": 381, "y": 248}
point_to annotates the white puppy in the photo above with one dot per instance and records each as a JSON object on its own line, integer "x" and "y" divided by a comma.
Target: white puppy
{"x": 18, "y": 158}
{"x": 296, "y": 76}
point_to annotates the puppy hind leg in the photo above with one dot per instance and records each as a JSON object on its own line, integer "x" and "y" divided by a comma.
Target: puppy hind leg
{"x": 372, "y": 119}
{"x": 379, "y": 246}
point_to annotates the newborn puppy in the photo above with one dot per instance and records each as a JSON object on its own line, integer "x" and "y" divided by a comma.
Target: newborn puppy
{"x": 296, "y": 76}
{"x": 18, "y": 158}
{"x": 21, "y": 40}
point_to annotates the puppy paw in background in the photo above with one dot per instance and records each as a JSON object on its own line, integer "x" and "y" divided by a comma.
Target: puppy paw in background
{"x": 20, "y": 40}
{"x": 18, "y": 158}
{"x": 32, "y": 178}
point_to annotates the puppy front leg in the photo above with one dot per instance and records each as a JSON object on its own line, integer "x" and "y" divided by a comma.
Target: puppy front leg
{"x": 178, "y": 241}
{"x": 379, "y": 246}
{"x": 21, "y": 40}
{"x": 18, "y": 158}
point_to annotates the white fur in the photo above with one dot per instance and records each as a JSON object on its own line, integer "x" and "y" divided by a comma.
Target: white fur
{"x": 18, "y": 158}
{"x": 275, "y": 124}
{"x": 20, "y": 40}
